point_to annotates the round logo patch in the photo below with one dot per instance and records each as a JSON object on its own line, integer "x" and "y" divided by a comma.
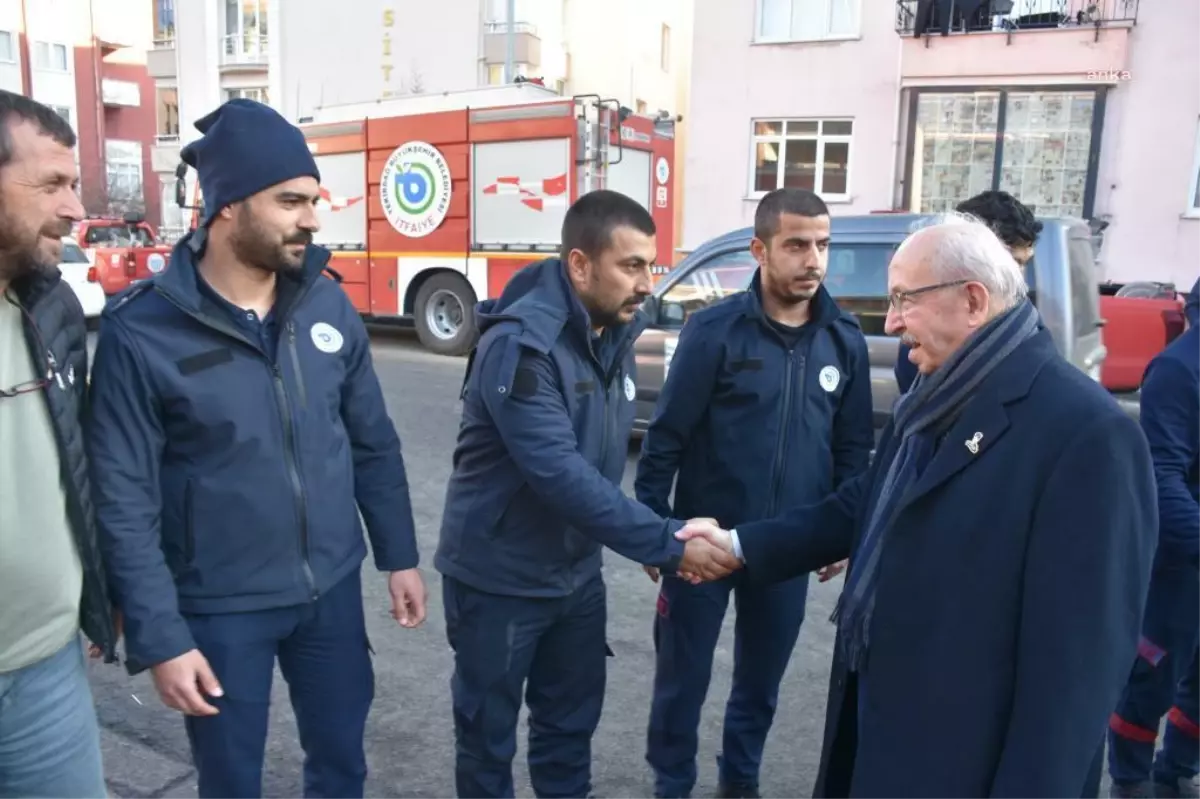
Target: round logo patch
{"x": 326, "y": 337}
{"x": 414, "y": 189}
{"x": 662, "y": 171}
{"x": 829, "y": 378}
{"x": 156, "y": 263}
{"x": 630, "y": 388}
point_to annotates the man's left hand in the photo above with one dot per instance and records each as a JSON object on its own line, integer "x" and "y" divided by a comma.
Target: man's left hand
{"x": 408, "y": 597}
{"x": 95, "y": 650}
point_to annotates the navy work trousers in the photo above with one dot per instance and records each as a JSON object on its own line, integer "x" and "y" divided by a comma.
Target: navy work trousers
{"x": 554, "y": 650}
{"x": 1163, "y": 681}
{"x": 686, "y": 629}
{"x": 324, "y": 656}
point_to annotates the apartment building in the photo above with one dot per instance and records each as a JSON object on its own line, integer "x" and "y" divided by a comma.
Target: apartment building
{"x": 300, "y": 55}
{"x": 1083, "y": 107}
{"x": 87, "y": 60}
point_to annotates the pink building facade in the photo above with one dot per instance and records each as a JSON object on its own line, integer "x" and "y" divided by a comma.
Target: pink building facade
{"x": 1087, "y": 108}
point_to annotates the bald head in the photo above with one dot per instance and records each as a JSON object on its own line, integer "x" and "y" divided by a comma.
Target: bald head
{"x": 948, "y": 279}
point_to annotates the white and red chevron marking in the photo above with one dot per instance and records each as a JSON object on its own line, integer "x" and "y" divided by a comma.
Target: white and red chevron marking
{"x": 535, "y": 194}
{"x": 336, "y": 203}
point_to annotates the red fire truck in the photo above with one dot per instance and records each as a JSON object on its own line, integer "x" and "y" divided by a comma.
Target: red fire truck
{"x": 432, "y": 202}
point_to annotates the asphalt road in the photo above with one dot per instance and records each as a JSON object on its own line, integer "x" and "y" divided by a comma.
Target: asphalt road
{"x": 410, "y": 743}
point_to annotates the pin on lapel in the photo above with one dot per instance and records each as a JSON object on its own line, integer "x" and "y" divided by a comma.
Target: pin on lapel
{"x": 973, "y": 443}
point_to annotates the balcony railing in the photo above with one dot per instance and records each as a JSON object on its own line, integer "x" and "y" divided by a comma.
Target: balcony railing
{"x": 502, "y": 27}
{"x": 164, "y": 42}
{"x": 915, "y": 17}
{"x": 244, "y": 50}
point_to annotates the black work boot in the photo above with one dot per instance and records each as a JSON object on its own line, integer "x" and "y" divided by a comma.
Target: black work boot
{"x": 1132, "y": 790}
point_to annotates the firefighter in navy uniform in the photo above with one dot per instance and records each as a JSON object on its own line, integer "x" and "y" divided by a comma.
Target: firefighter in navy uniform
{"x": 767, "y": 406}
{"x": 237, "y": 431}
{"x": 1164, "y": 677}
{"x": 548, "y": 406}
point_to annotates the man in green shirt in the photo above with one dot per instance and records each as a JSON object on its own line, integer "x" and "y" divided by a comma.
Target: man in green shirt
{"x": 51, "y": 580}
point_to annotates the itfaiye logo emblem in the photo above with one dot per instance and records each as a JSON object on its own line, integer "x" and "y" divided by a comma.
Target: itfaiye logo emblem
{"x": 630, "y": 388}
{"x": 326, "y": 337}
{"x": 662, "y": 171}
{"x": 414, "y": 189}
{"x": 829, "y": 378}
{"x": 155, "y": 263}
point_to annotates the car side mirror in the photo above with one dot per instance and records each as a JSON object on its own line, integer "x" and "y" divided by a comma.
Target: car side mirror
{"x": 671, "y": 314}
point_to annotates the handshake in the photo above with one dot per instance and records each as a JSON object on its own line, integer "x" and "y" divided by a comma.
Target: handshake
{"x": 707, "y": 553}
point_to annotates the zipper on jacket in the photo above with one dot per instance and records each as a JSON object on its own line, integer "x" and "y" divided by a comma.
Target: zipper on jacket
{"x": 291, "y": 332}
{"x": 606, "y": 428}
{"x": 285, "y": 417}
{"x": 785, "y": 420}
{"x": 289, "y": 448}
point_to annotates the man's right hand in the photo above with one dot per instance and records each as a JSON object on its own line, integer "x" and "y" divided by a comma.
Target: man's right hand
{"x": 708, "y": 553}
{"x": 183, "y": 682}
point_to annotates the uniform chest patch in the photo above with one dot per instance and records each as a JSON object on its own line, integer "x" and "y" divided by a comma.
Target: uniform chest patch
{"x": 829, "y": 378}
{"x": 326, "y": 337}
{"x": 630, "y": 388}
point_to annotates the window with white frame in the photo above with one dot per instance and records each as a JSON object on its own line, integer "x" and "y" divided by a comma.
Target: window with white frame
{"x": 1194, "y": 192}
{"x": 123, "y": 167}
{"x": 8, "y": 48}
{"x": 246, "y": 19}
{"x": 811, "y": 154}
{"x": 806, "y": 20}
{"x": 255, "y": 93}
{"x": 50, "y": 57}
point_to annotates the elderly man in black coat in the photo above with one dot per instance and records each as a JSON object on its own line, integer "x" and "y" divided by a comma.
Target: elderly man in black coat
{"x": 1000, "y": 548}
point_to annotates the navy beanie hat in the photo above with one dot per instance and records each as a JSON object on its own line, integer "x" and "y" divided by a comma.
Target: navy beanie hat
{"x": 246, "y": 147}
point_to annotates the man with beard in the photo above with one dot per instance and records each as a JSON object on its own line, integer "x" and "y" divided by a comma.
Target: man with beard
{"x": 1000, "y": 548}
{"x": 237, "y": 431}
{"x": 767, "y": 405}
{"x": 548, "y": 405}
{"x": 51, "y": 580}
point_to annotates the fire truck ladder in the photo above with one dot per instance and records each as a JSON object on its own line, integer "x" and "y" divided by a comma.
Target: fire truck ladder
{"x": 595, "y": 122}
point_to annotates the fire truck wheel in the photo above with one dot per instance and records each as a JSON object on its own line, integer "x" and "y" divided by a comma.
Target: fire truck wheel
{"x": 444, "y": 314}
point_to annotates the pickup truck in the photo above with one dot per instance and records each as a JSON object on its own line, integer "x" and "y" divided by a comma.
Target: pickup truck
{"x": 121, "y": 251}
{"x": 1061, "y": 277}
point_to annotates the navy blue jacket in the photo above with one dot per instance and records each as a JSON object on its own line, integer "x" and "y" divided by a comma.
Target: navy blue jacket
{"x": 906, "y": 370}
{"x": 547, "y": 413}
{"x": 1010, "y": 592}
{"x": 751, "y": 427}
{"x": 227, "y": 480}
{"x": 1170, "y": 417}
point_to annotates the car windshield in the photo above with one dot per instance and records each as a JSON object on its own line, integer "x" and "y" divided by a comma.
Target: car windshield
{"x": 71, "y": 254}
{"x": 119, "y": 236}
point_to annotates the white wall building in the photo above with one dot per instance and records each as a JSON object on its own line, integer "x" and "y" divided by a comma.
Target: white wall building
{"x": 1067, "y": 104}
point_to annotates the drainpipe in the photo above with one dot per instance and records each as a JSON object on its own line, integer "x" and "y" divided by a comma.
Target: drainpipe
{"x": 23, "y": 44}
{"x": 898, "y": 137}
{"x": 510, "y": 41}
{"x": 101, "y": 154}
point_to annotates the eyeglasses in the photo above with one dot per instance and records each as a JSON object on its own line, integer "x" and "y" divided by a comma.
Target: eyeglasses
{"x": 37, "y": 384}
{"x": 897, "y": 299}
